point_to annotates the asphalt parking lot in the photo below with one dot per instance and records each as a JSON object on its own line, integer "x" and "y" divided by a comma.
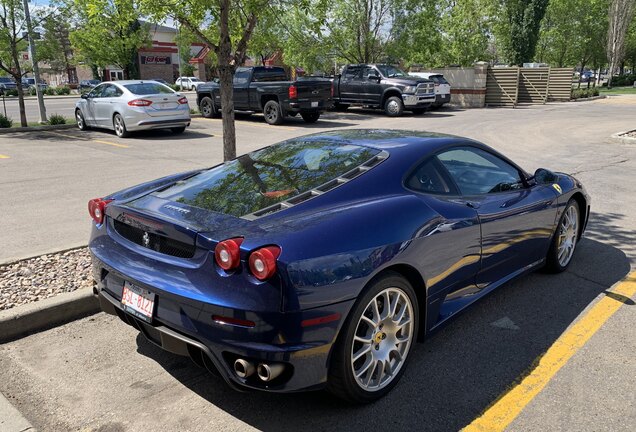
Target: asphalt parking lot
{"x": 98, "y": 374}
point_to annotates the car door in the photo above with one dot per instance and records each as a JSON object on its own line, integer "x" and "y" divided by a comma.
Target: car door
{"x": 91, "y": 103}
{"x": 449, "y": 245}
{"x": 517, "y": 219}
{"x": 371, "y": 87}
{"x": 241, "y": 85}
{"x": 351, "y": 85}
{"x": 108, "y": 103}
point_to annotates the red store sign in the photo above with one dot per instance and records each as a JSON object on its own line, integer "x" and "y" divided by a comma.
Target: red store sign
{"x": 156, "y": 60}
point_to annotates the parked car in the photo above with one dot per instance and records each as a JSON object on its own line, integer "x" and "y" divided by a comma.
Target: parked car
{"x": 587, "y": 76}
{"x": 127, "y": 106}
{"x": 159, "y": 80}
{"x": 189, "y": 83}
{"x": 319, "y": 261}
{"x": 86, "y": 85}
{"x": 29, "y": 83}
{"x": 8, "y": 83}
{"x": 442, "y": 87}
{"x": 383, "y": 86}
{"x": 268, "y": 90}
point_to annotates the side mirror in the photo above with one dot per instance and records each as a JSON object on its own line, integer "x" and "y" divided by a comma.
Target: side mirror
{"x": 84, "y": 96}
{"x": 544, "y": 176}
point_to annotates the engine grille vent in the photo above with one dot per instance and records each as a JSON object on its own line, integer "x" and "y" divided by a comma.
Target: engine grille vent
{"x": 153, "y": 241}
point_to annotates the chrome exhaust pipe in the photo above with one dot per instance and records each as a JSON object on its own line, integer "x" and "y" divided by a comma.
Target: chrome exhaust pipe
{"x": 267, "y": 372}
{"x": 243, "y": 368}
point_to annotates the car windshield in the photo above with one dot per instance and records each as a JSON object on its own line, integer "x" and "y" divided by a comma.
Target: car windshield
{"x": 94, "y": 82}
{"x": 265, "y": 177}
{"x": 195, "y": 80}
{"x": 390, "y": 71}
{"x": 148, "y": 88}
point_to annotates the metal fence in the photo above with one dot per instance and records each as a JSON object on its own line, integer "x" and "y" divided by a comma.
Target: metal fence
{"x": 514, "y": 85}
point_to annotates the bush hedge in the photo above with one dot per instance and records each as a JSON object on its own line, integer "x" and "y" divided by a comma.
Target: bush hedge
{"x": 583, "y": 93}
{"x": 623, "y": 80}
{"x": 63, "y": 90}
{"x": 56, "y": 119}
{"x": 5, "y": 122}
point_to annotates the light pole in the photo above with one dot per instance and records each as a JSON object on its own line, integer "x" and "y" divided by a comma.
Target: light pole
{"x": 36, "y": 69}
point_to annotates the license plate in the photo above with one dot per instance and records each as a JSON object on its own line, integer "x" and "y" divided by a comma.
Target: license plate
{"x": 166, "y": 105}
{"x": 138, "y": 301}
{"x": 314, "y": 104}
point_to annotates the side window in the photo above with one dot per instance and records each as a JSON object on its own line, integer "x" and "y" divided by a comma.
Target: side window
{"x": 352, "y": 73}
{"x": 97, "y": 91}
{"x": 241, "y": 77}
{"x": 429, "y": 178}
{"x": 369, "y": 71}
{"x": 476, "y": 171}
{"x": 111, "y": 91}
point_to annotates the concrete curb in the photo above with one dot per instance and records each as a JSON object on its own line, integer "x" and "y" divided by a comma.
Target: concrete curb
{"x": 589, "y": 99}
{"x": 623, "y": 139}
{"x": 37, "y": 128}
{"x": 56, "y": 250}
{"x": 11, "y": 420}
{"x": 44, "y": 314}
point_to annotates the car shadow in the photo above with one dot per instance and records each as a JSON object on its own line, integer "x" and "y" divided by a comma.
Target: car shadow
{"x": 295, "y": 121}
{"x": 167, "y": 135}
{"x": 460, "y": 370}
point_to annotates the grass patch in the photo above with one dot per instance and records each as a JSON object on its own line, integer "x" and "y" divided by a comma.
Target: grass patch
{"x": 53, "y": 120}
{"x": 618, "y": 90}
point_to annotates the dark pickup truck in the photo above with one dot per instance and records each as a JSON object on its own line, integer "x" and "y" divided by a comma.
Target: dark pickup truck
{"x": 268, "y": 90}
{"x": 383, "y": 86}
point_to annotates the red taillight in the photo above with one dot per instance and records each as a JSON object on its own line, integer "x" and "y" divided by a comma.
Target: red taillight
{"x": 140, "y": 102}
{"x": 263, "y": 262}
{"x": 293, "y": 92}
{"x": 228, "y": 254}
{"x": 183, "y": 100}
{"x": 97, "y": 208}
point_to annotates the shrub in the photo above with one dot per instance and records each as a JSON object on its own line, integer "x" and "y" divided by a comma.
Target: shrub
{"x": 32, "y": 91}
{"x": 12, "y": 92}
{"x": 194, "y": 111}
{"x": 63, "y": 90}
{"x": 56, "y": 119}
{"x": 583, "y": 93}
{"x": 175, "y": 87}
{"x": 5, "y": 122}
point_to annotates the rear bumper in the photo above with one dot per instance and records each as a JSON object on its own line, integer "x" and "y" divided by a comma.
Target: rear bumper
{"x": 309, "y": 106}
{"x": 159, "y": 124}
{"x": 185, "y": 326}
{"x": 441, "y": 99}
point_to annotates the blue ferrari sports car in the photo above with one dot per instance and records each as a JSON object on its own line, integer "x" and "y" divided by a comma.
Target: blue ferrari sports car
{"x": 319, "y": 261}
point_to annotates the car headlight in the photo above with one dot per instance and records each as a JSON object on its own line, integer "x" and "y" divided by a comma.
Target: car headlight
{"x": 409, "y": 89}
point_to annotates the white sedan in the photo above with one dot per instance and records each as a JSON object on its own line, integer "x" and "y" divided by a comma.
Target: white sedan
{"x": 188, "y": 83}
{"x": 127, "y": 106}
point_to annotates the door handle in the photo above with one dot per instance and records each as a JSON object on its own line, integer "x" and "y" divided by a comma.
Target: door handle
{"x": 473, "y": 204}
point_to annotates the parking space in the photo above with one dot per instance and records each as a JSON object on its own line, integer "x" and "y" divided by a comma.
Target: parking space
{"x": 98, "y": 374}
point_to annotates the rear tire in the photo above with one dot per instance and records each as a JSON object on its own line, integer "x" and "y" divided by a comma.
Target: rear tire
{"x": 310, "y": 117}
{"x": 341, "y": 107}
{"x": 120, "y": 126}
{"x": 358, "y": 371}
{"x": 178, "y": 130}
{"x": 81, "y": 122}
{"x": 207, "y": 107}
{"x": 272, "y": 112}
{"x": 565, "y": 239}
{"x": 393, "y": 106}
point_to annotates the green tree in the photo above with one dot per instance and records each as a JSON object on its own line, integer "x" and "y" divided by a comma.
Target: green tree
{"x": 55, "y": 46}
{"x": 517, "y": 28}
{"x": 12, "y": 43}
{"x": 108, "y": 32}
{"x": 620, "y": 16}
{"x": 226, "y": 27}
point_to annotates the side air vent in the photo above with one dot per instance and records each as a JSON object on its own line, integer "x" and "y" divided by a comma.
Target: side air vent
{"x": 331, "y": 184}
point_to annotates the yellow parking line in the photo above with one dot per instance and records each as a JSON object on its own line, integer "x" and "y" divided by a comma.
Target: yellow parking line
{"x": 88, "y": 139}
{"x": 505, "y": 409}
{"x": 4, "y": 156}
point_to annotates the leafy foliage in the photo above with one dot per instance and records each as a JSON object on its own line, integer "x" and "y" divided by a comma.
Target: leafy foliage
{"x": 108, "y": 32}
{"x": 517, "y": 28}
{"x": 5, "y": 122}
{"x": 57, "y": 119}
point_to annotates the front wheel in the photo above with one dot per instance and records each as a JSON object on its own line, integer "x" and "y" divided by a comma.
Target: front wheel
{"x": 120, "y": 126}
{"x": 272, "y": 113}
{"x": 565, "y": 239}
{"x": 310, "y": 117}
{"x": 207, "y": 107}
{"x": 394, "y": 107}
{"x": 375, "y": 341}
{"x": 79, "y": 118}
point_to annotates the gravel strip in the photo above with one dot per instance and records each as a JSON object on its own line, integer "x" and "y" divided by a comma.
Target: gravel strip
{"x": 45, "y": 276}
{"x": 630, "y": 134}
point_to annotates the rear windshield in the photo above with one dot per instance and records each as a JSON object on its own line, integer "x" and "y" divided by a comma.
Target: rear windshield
{"x": 269, "y": 74}
{"x": 148, "y": 88}
{"x": 438, "y": 79}
{"x": 265, "y": 177}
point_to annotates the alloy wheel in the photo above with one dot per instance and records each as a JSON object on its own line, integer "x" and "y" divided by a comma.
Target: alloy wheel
{"x": 382, "y": 339}
{"x": 568, "y": 233}
{"x": 393, "y": 107}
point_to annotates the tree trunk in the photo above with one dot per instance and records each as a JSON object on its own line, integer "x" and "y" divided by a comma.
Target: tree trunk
{"x": 18, "y": 80}
{"x": 226, "y": 75}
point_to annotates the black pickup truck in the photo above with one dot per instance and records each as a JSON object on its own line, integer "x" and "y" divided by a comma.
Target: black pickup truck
{"x": 268, "y": 90}
{"x": 383, "y": 86}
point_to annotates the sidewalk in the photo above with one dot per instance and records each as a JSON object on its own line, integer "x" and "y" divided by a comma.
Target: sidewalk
{"x": 11, "y": 420}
